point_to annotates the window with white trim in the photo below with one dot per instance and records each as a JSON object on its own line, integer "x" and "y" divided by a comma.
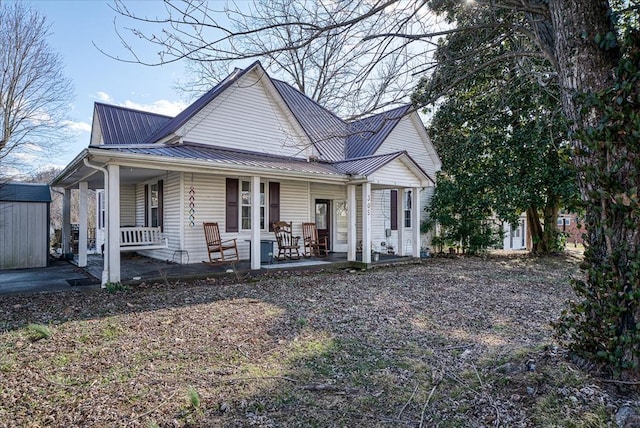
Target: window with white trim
{"x": 153, "y": 204}
{"x": 407, "y": 208}
{"x": 245, "y": 205}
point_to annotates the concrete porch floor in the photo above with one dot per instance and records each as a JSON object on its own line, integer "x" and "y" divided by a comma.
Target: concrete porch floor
{"x": 136, "y": 268}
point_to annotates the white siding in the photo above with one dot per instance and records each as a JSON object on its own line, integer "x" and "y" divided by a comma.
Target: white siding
{"x": 405, "y": 136}
{"x": 395, "y": 173}
{"x": 295, "y": 204}
{"x": 140, "y": 210}
{"x": 171, "y": 219}
{"x": 208, "y": 206}
{"x": 246, "y": 117}
{"x": 128, "y": 205}
{"x": 23, "y": 235}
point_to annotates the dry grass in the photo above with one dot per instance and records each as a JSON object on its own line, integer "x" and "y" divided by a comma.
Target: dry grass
{"x": 452, "y": 342}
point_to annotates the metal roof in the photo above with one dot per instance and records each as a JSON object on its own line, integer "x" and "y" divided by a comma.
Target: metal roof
{"x": 25, "y": 192}
{"x": 120, "y": 125}
{"x": 326, "y": 130}
{"x": 231, "y": 157}
{"x": 335, "y": 139}
{"x": 366, "y": 135}
{"x": 365, "y": 165}
{"x": 174, "y": 124}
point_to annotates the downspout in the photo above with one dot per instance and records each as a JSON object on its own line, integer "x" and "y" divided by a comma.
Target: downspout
{"x": 106, "y": 264}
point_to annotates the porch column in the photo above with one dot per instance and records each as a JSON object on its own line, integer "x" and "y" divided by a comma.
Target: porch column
{"x": 400, "y": 217}
{"x": 351, "y": 223}
{"x": 415, "y": 215}
{"x": 255, "y": 223}
{"x": 366, "y": 223}
{"x": 66, "y": 221}
{"x": 113, "y": 224}
{"x": 84, "y": 224}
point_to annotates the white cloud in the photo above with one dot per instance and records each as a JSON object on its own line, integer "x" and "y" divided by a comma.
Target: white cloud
{"x": 103, "y": 96}
{"x": 165, "y": 107}
{"x": 77, "y": 126}
{"x": 168, "y": 108}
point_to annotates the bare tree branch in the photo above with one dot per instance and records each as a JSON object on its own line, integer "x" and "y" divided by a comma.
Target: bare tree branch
{"x": 34, "y": 94}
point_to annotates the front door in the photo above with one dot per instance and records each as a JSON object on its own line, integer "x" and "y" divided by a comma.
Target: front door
{"x": 323, "y": 219}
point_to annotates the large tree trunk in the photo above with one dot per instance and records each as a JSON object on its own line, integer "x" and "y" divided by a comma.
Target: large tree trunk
{"x": 538, "y": 244}
{"x": 612, "y": 235}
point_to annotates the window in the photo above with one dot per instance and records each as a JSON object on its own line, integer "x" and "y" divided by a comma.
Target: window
{"x": 245, "y": 205}
{"x": 407, "y": 208}
{"x": 238, "y": 204}
{"x": 153, "y": 205}
{"x": 564, "y": 221}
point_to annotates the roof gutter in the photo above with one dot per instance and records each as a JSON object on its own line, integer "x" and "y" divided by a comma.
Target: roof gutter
{"x": 73, "y": 166}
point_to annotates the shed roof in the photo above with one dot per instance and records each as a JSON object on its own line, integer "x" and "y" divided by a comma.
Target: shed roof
{"x": 25, "y": 192}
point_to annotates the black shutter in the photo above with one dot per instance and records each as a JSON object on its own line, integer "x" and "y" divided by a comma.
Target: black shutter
{"x": 160, "y": 204}
{"x": 394, "y": 210}
{"x": 274, "y": 204}
{"x": 146, "y": 205}
{"x": 233, "y": 193}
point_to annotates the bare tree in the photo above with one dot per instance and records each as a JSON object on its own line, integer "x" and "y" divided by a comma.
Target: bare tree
{"x": 34, "y": 94}
{"x": 340, "y": 67}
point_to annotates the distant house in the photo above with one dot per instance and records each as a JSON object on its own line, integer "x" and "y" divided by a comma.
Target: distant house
{"x": 251, "y": 151}
{"x": 24, "y": 225}
{"x": 571, "y": 225}
{"x": 515, "y": 238}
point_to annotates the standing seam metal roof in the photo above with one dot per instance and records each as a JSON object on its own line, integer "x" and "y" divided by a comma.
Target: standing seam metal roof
{"x": 24, "y": 192}
{"x": 326, "y": 130}
{"x": 223, "y": 155}
{"x": 121, "y": 125}
{"x": 335, "y": 139}
{"x": 366, "y": 135}
{"x": 366, "y": 165}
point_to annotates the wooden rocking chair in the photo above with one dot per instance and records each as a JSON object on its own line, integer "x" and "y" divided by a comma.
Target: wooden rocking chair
{"x": 312, "y": 245}
{"x": 216, "y": 245}
{"x": 287, "y": 243}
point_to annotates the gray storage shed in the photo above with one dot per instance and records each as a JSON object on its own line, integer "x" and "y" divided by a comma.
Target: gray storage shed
{"x": 24, "y": 225}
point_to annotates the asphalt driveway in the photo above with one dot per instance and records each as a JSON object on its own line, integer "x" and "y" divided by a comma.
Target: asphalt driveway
{"x": 60, "y": 275}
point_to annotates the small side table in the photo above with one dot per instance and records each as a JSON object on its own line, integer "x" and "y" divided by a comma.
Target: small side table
{"x": 181, "y": 254}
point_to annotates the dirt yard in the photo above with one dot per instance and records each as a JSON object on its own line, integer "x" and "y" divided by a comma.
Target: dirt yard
{"x": 460, "y": 342}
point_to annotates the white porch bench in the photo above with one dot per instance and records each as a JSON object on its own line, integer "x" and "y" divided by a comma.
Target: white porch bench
{"x": 142, "y": 238}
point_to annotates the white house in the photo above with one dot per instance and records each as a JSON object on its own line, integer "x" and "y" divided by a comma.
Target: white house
{"x": 515, "y": 238}
{"x": 251, "y": 151}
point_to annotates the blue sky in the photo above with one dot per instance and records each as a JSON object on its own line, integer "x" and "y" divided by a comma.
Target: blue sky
{"x": 75, "y": 26}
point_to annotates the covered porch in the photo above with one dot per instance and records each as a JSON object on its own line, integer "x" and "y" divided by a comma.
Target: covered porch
{"x": 160, "y": 202}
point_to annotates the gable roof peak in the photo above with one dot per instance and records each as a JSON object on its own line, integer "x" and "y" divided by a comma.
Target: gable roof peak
{"x": 186, "y": 114}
